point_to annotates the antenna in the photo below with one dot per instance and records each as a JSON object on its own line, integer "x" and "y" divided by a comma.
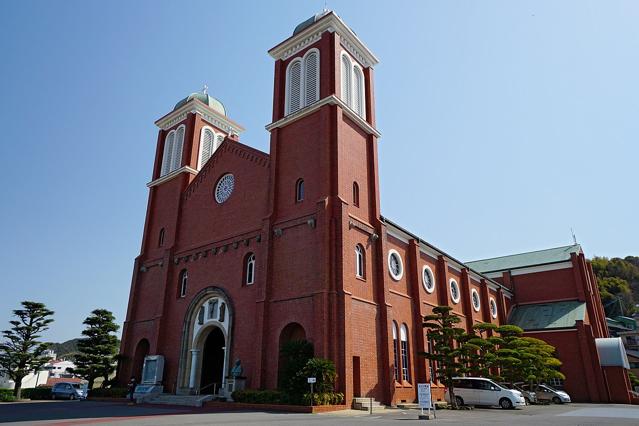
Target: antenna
{"x": 574, "y": 239}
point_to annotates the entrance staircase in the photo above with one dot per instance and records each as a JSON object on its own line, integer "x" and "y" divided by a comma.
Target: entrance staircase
{"x": 187, "y": 400}
{"x": 364, "y": 404}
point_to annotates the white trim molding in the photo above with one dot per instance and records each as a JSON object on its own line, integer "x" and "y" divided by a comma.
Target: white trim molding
{"x": 399, "y": 276}
{"x": 474, "y": 293}
{"x": 397, "y": 235}
{"x": 541, "y": 268}
{"x": 493, "y": 303}
{"x": 331, "y": 23}
{"x": 195, "y": 106}
{"x": 427, "y": 270}
{"x": 329, "y": 100}
{"x": 169, "y": 176}
{"x": 457, "y": 289}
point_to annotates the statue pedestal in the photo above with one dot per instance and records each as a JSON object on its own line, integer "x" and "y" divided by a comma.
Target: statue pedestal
{"x": 233, "y": 384}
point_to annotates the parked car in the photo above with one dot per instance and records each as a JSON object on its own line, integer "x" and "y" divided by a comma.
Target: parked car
{"x": 547, "y": 393}
{"x": 529, "y": 396}
{"x": 481, "y": 391}
{"x": 65, "y": 390}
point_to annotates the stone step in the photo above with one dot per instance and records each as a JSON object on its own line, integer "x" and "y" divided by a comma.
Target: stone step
{"x": 376, "y": 408}
{"x": 187, "y": 400}
{"x": 363, "y": 399}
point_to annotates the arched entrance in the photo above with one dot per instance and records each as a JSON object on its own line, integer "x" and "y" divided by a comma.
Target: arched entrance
{"x": 212, "y": 371}
{"x": 141, "y": 351}
{"x": 294, "y": 350}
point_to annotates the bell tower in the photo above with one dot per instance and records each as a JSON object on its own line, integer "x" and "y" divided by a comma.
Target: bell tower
{"x": 324, "y": 196}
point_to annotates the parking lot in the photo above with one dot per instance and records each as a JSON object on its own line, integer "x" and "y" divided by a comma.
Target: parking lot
{"x": 68, "y": 413}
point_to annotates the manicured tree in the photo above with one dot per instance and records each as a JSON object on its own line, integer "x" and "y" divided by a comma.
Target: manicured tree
{"x": 21, "y": 352}
{"x": 445, "y": 350}
{"x": 98, "y": 348}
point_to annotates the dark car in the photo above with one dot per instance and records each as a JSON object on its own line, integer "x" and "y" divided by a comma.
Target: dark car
{"x": 66, "y": 390}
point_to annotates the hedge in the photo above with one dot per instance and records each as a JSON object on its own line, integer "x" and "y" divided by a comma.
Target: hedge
{"x": 109, "y": 392}
{"x": 6, "y": 395}
{"x": 252, "y": 396}
{"x": 41, "y": 392}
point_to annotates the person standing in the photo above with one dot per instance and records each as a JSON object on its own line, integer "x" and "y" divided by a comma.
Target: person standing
{"x": 131, "y": 388}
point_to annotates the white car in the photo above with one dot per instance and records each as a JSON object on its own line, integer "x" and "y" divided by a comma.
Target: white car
{"x": 481, "y": 391}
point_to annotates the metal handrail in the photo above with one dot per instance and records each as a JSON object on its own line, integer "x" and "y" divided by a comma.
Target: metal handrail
{"x": 208, "y": 386}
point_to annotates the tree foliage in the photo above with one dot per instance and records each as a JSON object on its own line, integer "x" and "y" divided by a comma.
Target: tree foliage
{"x": 98, "y": 349}
{"x": 618, "y": 283}
{"x": 294, "y": 355}
{"x": 21, "y": 351}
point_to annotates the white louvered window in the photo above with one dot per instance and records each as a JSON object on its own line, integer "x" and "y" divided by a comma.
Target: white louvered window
{"x": 311, "y": 78}
{"x": 219, "y": 139}
{"x": 294, "y": 87}
{"x": 358, "y": 92}
{"x": 177, "y": 151}
{"x": 347, "y": 80}
{"x": 169, "y": 143}
{"x": 207, "y": 141}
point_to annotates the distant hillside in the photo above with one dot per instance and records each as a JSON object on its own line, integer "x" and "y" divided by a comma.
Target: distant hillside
{"x": 65, "y": 349}
{"x": 618, "y": 284}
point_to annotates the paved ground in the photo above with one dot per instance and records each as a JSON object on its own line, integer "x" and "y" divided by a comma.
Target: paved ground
{"x": 70, "y": 413}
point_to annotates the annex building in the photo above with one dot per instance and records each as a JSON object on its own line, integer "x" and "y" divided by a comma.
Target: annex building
{"x": 243, "y": 250}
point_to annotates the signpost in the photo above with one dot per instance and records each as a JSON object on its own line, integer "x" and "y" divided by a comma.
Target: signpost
{"x": 425, "y": 400}
{"x": 311, "y": 380}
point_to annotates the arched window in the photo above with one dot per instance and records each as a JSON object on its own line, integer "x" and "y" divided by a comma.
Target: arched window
{"x": 177, "y": 152}
{"x": 294, "y": 86}
{"x": 183, "y": 281}
{"x": 395, "y": 353}
{"x": 359, "y": 261}
{"x": 299, "y": 190}
{"x": 355, "y": 194}
{"x": 403, "y": 337}
{"x": 161, "y": 238}
{"x": 347, "y": 80}
{"x": 311, "y": 77}
{"x": 250, "y": 269}
{"x": 358, "y": 92}
{"x": 169, "y": 145}
{"x": 207, "y": 146}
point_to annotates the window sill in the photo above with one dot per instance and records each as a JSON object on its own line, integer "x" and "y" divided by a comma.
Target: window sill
{"x": 403, "y": 384}
{"x": 362, "y": 279}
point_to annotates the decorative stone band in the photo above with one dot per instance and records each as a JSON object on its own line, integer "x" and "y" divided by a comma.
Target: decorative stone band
{"x": 169, "y": 176}
{"x": 329, "y": 100}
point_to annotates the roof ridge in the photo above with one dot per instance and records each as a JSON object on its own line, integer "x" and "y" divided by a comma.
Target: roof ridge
{"x": 525, "y": 252}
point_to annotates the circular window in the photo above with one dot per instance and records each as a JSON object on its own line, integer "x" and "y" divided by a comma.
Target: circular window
{"x": 454, "y": 291}
{"x": 395, "y": 265}
{"x": 224, "y": 188}
{"x": 493, "y": 307}
{"x": 428, "y": 279}
{"x": 475, "y": 298}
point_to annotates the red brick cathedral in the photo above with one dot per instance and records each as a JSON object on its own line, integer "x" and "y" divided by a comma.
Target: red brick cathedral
{"x": 243, "y": 251}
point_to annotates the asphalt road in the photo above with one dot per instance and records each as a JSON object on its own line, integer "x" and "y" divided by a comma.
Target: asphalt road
{"x": 69, "y": 413}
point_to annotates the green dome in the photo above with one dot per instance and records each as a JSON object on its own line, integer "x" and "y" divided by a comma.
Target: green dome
{"x": 310, "y": 21}
{"x": 204, "y": 98}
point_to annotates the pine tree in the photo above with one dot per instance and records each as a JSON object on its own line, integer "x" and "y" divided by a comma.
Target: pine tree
{"x": 98, "y": 348}
{"x": 21, "y": 352}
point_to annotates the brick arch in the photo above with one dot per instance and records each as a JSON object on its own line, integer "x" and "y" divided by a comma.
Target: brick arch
{"x": 141, "y": 351}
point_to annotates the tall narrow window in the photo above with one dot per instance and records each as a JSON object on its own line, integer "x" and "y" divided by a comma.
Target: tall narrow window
{"x": 169, "y": 143}
{"x": 294, "y": 86}
{"x": 177, "y": 152}
{"x": 250, "y": 269}
{"x": 299, "y": 190}
{"x": 347, "y": 80}
{"x": 358, "y": 91}
{"x": 403, "y": 336}
{"x": 213, "y": 309}
{"x": 311, "y": 77}
{"x": 184, "y": 278}
{"x": 161, "y": 238}
{"x": 355, "y": 194}
{"x": 395, "y": 353}
{"x": 207, "y": 146}
{"x": 359, "y": 261}
{"x": 222, "y": 312}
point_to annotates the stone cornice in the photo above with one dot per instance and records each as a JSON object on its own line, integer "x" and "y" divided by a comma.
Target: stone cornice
{"x": 332, "y": 23}
{"x": 329, "y": 100}
{"x": 169, "y": 176}
{"x": 194, "y": 106}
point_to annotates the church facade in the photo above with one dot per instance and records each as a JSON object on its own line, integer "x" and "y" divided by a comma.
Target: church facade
{"x": 243, "y": 251}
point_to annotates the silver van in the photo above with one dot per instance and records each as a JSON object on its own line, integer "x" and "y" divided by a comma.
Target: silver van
{"x": 65, "y": 390}
{"x": 482, "y": 391}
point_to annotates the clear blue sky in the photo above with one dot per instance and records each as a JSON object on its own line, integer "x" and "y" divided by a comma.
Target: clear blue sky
{"x": 504, "y": 125}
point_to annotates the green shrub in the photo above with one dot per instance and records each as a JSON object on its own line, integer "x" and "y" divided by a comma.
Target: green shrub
{"x": 109, "y": 392}
{"x": 324, "y": 398}
{"x": 253, "y": 396}
{"x": 293, "y": 357}
{"x": 42, "y": 392}
{"x": 6, "y": 395}
{"x": 324, "y": 372}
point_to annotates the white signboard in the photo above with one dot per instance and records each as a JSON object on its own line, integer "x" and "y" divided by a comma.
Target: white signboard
{"x": 312, "y": 379}
{"x": 423, "y": 395}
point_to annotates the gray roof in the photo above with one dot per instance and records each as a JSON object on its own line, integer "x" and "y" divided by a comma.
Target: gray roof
{"x": 205, "y": 99}
{"x": 545, "y": 316}
{"x": 310, "y": 21}
{"x": 522, "y": 260}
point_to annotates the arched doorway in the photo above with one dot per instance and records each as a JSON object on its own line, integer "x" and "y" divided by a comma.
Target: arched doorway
{"x": 294, "y": 350}
{"x": 141, "y": 351}
{"x": 212, "y": 375}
